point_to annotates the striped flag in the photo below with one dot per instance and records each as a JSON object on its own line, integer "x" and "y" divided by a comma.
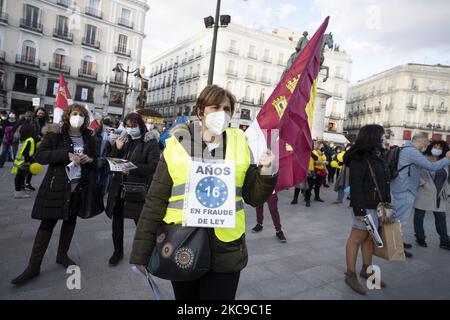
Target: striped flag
{"x": 63, "y": 99}
{"x": 289, "y": 109}
{"x": 93, "y": 123}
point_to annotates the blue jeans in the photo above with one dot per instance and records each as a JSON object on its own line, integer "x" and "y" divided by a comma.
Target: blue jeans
{"x": 439, "y": 221}
{"x": 6, "y": 151}
{"x": 404, "y": 202}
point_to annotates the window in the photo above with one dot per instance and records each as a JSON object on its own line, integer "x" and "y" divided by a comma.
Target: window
{"x": 59, "y": 58}
{"x": 123, "y": 40}
{"x": 281, "y": 58}
{"x": 62, "y": 25}
{"x": 84, "y": 93}
{"x": 247, "y": 92}
{"x": 231, "y": 65}
{"x": 25, "y": 83}
{"x": 52, "y": 87}
{"x": 94, "y": 4}
{"x": 91, "y": 33}
{"x": 31, "y": 15}
{"x": 125, "y": 17}
{"x": 28, "y": 51}
{"x": 245, "y": 114}
{"x": 87, "y": 65}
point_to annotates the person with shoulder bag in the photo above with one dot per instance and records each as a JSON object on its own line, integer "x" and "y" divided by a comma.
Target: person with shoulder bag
{"x": 210, "y": 266}
{"x": 369, "y": 186}
{"x": 60, "y": 197}
{"x": 128, "y": 189}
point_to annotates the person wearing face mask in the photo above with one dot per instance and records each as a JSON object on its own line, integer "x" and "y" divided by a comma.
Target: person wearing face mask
{"x": 209, "y": 139}
{"x": 320, "y": 169}
{"x": 103, "y": 136}
{"x": 404, "y": 187}
{"x": 59, "y": 198}
{"x": 432, "y": 195}
{"x": 41, "y": 120}
{"x": 10, "y": 126}
{"x": 134, "y": 145}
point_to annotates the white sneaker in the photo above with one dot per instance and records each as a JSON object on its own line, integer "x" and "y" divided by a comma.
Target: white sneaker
{"x": 21, "y": 195}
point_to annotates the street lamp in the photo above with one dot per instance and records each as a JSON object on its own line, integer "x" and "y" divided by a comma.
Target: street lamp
{"x": 119, "y": 68}
{"x": 210, "y": 22}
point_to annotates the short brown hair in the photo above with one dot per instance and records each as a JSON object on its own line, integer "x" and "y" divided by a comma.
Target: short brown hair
{"x": 66, "y": 117}
{"x": 213, "y": 95}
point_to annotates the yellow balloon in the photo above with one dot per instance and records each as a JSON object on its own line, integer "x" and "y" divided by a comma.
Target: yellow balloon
{"x": 334, "y": 164}
{"x": 340, "y": 156}
{"x": 36, "y": 168}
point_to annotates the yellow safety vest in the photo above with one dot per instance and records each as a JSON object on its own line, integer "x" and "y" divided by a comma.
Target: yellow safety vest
{"x": 320, "y": 158}
{"x": 179, "y": 163}
{"x": 20, "y": 159}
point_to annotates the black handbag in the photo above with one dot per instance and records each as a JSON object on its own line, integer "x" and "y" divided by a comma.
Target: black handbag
{"x": 181, "y": 253}
{"x": 133, "y": 192}
{"x": 90, "y": 198}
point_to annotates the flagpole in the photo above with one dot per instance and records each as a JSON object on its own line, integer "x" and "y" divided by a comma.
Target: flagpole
{"x": 214, "y": 45}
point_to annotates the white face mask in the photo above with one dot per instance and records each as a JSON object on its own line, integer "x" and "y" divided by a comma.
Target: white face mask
{"x": 76, "y": 121}
{"x": 436, "y": 152}
{"x": 149, "y": 126}
{"x": 217, "y": 122}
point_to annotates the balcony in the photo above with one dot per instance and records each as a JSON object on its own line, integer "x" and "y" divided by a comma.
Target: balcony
{"x": 266, "y": 81}
{"x": 250, "y": 77}
{"x": 369, "y": 109}
{"x": 184, "y": 61}
{"x": 196, "y": 75}
{"x": 441, "y": 109}
{"x": 252, "y": 56}
{"x": 31, "y": 25}
{"x": 125, "y": 23}
{"x": 337, "y": 95}
{"x": 408, "y": 124}
{"x": 122, "y": 51}
{"x": 232, "y": 73}
{"x": 362, "y": 111}
{"x": 248, "y": 101}
{"x": 93, "y": 12}
{"x": 411, "y": 106}
{"x": 377, "y": 108}
{"x": 64, "y": 3}
{"x": 90, "y": 43}
{"x": 414, "y": 88}
{"x": 191, "y": 58}
{"x": 118, "y": 80}
{"x": 59, "y": 67}
{"x": 28, "y": 61}
{"x": 233, "y": 51}
{"x": 386, "y": 124}
{"x": 198, "y": 55}
{"x": 181, "y": 80}
{"x": 336, "y": 116}
{"x": 63, "y": 35}
{"x": 267, "y": 59}
{"x": 4, "y": 17}
{"x": 428, "y": 108}
{"x": 83, "y": 73}
{"x": 281, "y": 63}
{"x": 388, "y": 106}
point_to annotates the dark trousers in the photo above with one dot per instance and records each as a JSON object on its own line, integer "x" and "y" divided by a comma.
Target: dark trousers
{"x": 117, "y": 226}
{"x": 212, "y": 286}
{"x": 272, "y": 202}
{"x": 316, "y": 183}
{"x": 49, "y": 224}
{"x": 439, "y": 221}
{"x": 5, "y": 153}
{"x": 331, "y": 173}
{"x": 19, "y": 180}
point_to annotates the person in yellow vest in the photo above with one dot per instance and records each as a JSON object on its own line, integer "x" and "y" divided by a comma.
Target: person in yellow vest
{"x": 320, "y": 169}
{"x": 210, "y": 139}
{"x": 23, "y": 159}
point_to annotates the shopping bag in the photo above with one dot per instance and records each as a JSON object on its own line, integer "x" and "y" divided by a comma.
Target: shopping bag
{"x": 392, "y": 249}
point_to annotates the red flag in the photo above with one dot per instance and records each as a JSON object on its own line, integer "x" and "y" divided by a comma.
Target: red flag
{"x": 286, "y": 110}
{"x": 93, "y": 123}
{"x": 63, "y": 99}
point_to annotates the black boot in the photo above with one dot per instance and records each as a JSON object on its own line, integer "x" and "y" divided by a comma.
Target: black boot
{"x": 296, "y": 193}
{"x": 118, "y": 250}
{"x": 420, "y": 241}
{"x": 445, "y": 244}
{"x": 37, "y": 254}
{"x": 65, "y": 239}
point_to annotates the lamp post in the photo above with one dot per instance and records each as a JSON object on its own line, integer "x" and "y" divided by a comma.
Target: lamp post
{"x": 127, "y": 71}
{"x": 210, "y": 22}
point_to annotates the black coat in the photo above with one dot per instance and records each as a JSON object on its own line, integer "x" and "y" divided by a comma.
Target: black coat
{"x": 363, "y": 194}
{"x": 53, "y": 198}
{"x": 145, "y": 156}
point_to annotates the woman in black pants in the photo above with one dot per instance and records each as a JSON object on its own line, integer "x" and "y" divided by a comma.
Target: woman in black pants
{"x": 58, "y": 197}
{"x": 143, "y": 152}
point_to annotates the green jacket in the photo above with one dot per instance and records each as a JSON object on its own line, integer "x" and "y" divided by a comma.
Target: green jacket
{"x": 226, "y": 257}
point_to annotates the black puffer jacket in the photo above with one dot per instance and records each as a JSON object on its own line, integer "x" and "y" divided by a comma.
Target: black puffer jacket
{"x": 145, "y": 156}
{"x": 53, "y": 198}
{"x": 363, "y": 194}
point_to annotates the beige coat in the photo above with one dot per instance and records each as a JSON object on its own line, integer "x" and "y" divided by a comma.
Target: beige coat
{"x": 427, "y": 193}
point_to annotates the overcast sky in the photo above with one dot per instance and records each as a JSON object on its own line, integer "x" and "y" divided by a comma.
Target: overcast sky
{"x": 378, "y": 34}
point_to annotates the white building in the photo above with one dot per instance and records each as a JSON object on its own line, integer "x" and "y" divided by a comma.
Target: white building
{"x": 83, "y": 39}
{"x": 248, "y": 62}
{"x": 406, "y": 99}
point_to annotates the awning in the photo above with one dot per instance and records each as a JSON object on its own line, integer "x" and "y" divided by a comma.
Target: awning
{"x": 335, "y": 137}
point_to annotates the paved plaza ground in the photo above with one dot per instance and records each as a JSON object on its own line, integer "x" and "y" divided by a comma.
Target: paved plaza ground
{"x": 310, "y": 265}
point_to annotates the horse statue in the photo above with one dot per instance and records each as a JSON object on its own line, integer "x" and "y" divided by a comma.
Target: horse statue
{"x": 327, "y": 42}
{"x": 301, "y": 44}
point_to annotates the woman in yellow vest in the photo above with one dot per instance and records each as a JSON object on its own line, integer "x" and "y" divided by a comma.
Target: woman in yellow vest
{"x": 320, "y": 169}
{"x": 208, "y": 139}
{"x": 23, "y": 159}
